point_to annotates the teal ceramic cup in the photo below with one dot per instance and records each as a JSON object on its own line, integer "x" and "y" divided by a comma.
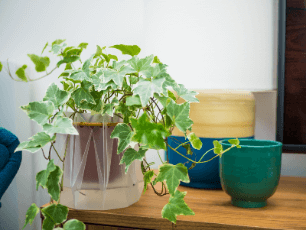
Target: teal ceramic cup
{"x": 250, "y": 174}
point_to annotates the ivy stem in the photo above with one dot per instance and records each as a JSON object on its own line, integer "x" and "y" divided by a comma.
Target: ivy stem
{"x": 160, "y": 157}
{"x": 56, "y": 152}
{"x": 44, "y": 154}
{"x": 181, "y": 144}
{"x": 62, "y": 182}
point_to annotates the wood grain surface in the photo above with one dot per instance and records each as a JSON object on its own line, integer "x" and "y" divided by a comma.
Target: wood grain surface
{"x": 286, "y": 209}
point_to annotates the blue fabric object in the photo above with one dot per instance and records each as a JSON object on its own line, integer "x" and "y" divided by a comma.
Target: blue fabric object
{"x": 8, "y": 144}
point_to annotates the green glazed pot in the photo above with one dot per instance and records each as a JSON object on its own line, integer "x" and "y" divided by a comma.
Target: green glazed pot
{"x": 250, "y": 174}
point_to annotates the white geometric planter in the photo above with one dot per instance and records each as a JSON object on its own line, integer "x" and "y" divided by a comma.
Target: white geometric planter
{"x": 93, "y": 178}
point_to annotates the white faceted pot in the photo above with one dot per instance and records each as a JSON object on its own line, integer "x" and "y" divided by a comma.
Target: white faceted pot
{"x": 93, "y": 178}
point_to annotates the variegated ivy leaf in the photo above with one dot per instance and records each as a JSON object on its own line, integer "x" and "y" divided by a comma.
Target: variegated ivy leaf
{"x": 130, "y": 155}
{"x": 147, "y": 179}
{"x": 195, "y": 141}
{"x": 86, "y": 65}
{"x": 159, "y": 70}
{"x": 61, "y": 125}
{"x": 168, "y": 83}
{"x": 57, "y": 96}
{"x": 162, "y": 99}
{"x": 79, "y": 76}
{"x": 186, "y": 94}
{"x": 127, "y": 49}
{"x": 48, "y": 224}
{"x": 109, "y": 107}
{"x": 53, "y": 183}
{"x": 176, "y": 206}
{"x": 179, "y": 113}
{"x": 150, "y": 134}
{"x": 74, "y": 224}
{"x": 41, "y": 63}
{"x": 116, "y": 75}
{"x": 32, "y": 211}
{"x": 56, "y": 212}
{"x": 141, "y": 65}
{"x": 42, "y": 176}
{"x": 82, "y": 94}
{"x": 39, "y": 111}
{"x": 38, "y": 141}
{"x": 145, "y": 89}
{"x": 96, "y": 108}
{"x": 124, "y": 134}
{"x": 172, "y": 174}
{"x": 133, "y": 100}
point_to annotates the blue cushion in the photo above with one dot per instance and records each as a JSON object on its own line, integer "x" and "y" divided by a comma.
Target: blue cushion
{"x": 10, "y": 169}
{"x": 4, "y": 156}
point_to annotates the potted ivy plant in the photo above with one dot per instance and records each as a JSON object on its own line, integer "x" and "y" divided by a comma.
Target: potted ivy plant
{"x": 139, "y": 91}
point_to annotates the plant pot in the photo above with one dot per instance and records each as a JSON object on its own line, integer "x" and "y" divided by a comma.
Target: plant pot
{"x": 250, "y": 174}
{"x": 93, "y": 178}
{"x": 219, "y": 114}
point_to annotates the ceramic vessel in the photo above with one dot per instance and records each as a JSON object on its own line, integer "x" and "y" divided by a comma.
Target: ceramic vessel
{"x": 219, "y": 114}
{"x": 250, "y": 174}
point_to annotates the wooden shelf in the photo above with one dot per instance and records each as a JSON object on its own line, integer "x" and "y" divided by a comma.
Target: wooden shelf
{"x": 286, "y": 209}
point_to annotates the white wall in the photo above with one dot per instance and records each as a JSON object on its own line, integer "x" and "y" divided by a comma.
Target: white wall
{"x": 207, "y": 44}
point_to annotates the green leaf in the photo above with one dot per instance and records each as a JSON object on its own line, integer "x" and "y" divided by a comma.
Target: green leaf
{"x": 99, "y": 51}
{"x": 116, "y": 75}
{"x": 234, "y": 141}
{"x": 127, "y": 49}
{"x": 53, "y": 181}
{"x": 21, "y": 73}
{"x": 32, "y": 211}
{"x": 114, "y": 57}
{"x": 61, "y": 125}
{"x": 74, "y": 224}
{"x": 172, "y": 174}
{"x": 186, "y": 94}
{"x": 48, "y": 224}
{"x": 57, "y": 96}
{"x": 124, "y": 134}
{"x": 125, "y": 111}
{"x": 109, "y": 107}
{"x": 176, "y": 206}
{"x": 130, "y": 155}
{"x": 145, "y": 89}
{"x": 38, "y": 141}
{"x": 169, "y": 82}
{"x": 171, "y": 95}
{"x": 58, "y": 41}
{"x": 140, "y": 65}
{"x": 147, "y": 179}
{"x": 195, "y": 141}
{"x": 93, "y": 107}
{"x": 218, "y": 148}
{"x": 42, "y": 176}
{"x": 44, "y": 48}
{"x": 56, "y": 212}
{"x": 83, "y": 45}
{"x": 1, "y": 66}
{"x": 41, "y": 63}
{"x": 79, "y": 76}
{"x": 80, "y": 95}
{"x": 156, "y": 60}
{"x": 158, "y": 71}
{"x": 188, "y": 149}
{"x": 107, "y": 59}
{"x": 180, "y": 115}
{"x": 39, "y": 111}
{"x": 70, "y": 59}
{"x": 149, "y": 134}
{"x": 86, "y": 65}
{"x": 133, "y": 100}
